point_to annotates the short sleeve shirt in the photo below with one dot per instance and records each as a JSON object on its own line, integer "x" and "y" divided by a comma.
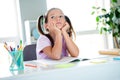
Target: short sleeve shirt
{"x": 43, "y": 42}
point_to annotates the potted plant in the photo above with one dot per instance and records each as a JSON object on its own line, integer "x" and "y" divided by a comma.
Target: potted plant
{"x": 109, "y": 22}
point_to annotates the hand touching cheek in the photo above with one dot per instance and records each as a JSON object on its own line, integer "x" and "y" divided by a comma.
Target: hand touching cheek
{"x": 52, "y": 28}
{"x": 66, "y": 27}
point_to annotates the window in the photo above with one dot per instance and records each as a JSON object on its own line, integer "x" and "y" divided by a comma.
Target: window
{"x": 88, "y": 38}
{"x": 8, "y": 27}
{"x": 78, "y": 11}
{"x": 8, "y": 21}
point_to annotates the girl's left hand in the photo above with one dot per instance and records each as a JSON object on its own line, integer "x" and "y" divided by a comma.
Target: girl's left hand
{"x": 66, "y": 27}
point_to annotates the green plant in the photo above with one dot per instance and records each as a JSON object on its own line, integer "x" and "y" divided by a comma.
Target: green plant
{"x": 109, "y": 21}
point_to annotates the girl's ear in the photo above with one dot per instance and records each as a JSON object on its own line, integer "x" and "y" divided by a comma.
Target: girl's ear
{"x": 46, "y": 27}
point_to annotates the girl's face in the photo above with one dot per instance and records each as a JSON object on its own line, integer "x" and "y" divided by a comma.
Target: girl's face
{"x": 56, "y": 17}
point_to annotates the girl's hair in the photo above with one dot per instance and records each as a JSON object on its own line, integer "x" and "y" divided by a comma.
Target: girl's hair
{"x": 41, "y": 24}
{"x": 44, "y": 19}
{"x": 71, "y": 30}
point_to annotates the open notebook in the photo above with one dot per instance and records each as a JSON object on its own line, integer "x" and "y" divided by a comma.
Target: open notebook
{"x": 61, "y": 61}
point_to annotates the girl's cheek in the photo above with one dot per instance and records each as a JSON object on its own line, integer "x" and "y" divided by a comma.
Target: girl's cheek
{"x": 64, "y": 24}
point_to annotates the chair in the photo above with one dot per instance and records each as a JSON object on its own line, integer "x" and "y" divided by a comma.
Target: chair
{"x": 29, "y": 52}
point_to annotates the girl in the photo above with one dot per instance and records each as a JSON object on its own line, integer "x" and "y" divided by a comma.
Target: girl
{"x": 57, "y": 43}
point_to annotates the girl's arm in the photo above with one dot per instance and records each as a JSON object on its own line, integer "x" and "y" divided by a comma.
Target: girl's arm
{"x": 71, "y": 46}
{"x": 55, "y": 51}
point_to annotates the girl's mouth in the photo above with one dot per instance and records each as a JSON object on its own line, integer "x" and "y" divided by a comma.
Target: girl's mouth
{"x": 58, "y": 23}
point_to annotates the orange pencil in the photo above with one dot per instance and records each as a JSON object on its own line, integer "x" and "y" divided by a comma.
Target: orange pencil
{"x": 31, "y": 65}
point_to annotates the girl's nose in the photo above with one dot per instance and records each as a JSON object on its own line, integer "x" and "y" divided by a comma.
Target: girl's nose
{"x": 57, "y": 18}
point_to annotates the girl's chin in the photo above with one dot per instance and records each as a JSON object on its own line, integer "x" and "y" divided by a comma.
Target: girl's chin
{"x": 59, "y": 27}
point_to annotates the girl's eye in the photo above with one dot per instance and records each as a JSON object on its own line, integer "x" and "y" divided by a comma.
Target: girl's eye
{"x": 52, "y": 17}
{"x": 60, "y": 16}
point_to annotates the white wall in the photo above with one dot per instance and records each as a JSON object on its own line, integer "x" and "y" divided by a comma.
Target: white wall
{"x": 30, "y": 10}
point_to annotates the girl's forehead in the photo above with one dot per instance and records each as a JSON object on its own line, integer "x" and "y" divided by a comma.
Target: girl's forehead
{"x": 55, "y": 11}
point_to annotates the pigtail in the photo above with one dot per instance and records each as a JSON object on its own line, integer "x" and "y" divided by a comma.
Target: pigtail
{"x": 41, "y": 21}
{"x": 71, "y": 31}
{"x": 41, "y": 24}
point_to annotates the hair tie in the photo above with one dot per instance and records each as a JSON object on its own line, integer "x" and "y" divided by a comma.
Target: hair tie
{"x": 42, "y": 20}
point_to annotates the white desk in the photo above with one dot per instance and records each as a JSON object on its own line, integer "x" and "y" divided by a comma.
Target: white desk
{"x": 86, "y": 70}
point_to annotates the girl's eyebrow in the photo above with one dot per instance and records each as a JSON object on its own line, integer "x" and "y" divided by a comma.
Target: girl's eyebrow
{"x": 52, "y": 14}
{"x": 55, "y": 14}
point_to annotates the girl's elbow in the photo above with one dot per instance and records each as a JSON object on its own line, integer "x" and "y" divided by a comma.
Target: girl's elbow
{"x": 56, "y": 57}
{"x": 76, "y": 54}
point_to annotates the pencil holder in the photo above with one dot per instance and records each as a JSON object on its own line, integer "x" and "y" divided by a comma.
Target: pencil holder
{"x": 17, "y": 60}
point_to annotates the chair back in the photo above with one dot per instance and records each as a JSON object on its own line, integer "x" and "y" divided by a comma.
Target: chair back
{"x": 29, "y": 52}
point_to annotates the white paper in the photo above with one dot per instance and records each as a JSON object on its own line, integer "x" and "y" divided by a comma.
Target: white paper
{"x": 53, "y": 62}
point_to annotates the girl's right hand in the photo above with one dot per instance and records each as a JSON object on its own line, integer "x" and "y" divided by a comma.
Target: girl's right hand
{"x": 53, "y": 28}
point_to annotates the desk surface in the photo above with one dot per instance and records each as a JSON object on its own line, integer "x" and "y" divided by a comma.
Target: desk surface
{"x": 95, "y": 69}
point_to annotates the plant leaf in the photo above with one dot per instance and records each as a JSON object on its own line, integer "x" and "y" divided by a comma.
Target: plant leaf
{"x": 93, "y": 13}
{"x": 115, "y": 1}
{"x": 94, "y": 7}
{"x": 98, "y": 8}
{"x": 103, "y": 10}
{"x": 118, "y": 28}
{"x": 105, "y": 29}
{"x": 97, "y": 19}
{"x": 115, "y": 34}
{"x": 117, "y": 14}
{"x": 101, "y": 30}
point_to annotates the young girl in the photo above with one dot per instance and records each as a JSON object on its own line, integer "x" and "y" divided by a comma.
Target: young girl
{"x": 57, "y": 42}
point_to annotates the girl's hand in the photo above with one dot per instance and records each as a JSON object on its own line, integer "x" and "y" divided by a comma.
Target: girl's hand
{"x": 53, "y": 28}
{"x": 66, "y": 27}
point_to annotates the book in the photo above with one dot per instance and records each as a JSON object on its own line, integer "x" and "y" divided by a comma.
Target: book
{"x": 54, "y": 62}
